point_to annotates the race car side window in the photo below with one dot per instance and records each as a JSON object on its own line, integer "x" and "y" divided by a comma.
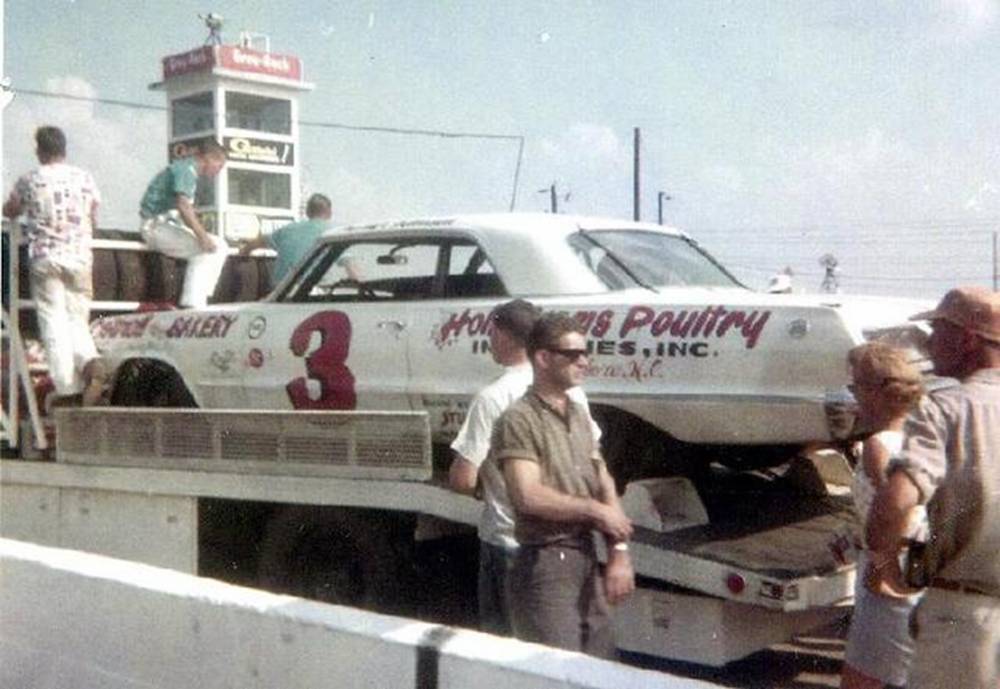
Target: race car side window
{"x": 404, "y": 269}
{"x": 470, "y": 273}
{"x": 372, "y": 270}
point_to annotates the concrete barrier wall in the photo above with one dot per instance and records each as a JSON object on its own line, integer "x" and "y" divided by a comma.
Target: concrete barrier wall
{"x": 73, "y": 620}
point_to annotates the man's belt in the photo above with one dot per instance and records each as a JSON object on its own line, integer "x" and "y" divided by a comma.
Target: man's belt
{"x": 962, "y": 587}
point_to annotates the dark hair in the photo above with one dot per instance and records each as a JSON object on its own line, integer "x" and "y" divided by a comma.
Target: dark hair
{"x": 318, "y": 205}
{"x": 51, "y": 142}
{"x": 211, "y": 147}
{"x": 549, "y": 329}
{"x": 516, "y": 318}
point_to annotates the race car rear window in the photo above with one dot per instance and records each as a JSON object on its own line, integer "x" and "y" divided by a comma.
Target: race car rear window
{"x": 630, "y": 258}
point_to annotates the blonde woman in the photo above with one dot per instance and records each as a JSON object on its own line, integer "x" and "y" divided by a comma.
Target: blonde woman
{"x": 879, "y": 647}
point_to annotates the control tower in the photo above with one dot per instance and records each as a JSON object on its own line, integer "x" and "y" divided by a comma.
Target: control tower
{"x": 245, "y": 97}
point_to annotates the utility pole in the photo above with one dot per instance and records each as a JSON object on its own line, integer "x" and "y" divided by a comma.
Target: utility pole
{"x": 553, "y": 199}
{"x": 660, "y": 198}
{"x": 996, "y": 259}
{"x": 635, "y": 175}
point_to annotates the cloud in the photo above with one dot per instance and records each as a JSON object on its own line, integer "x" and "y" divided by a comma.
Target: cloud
{"x": 868, "y": 175}
{"x": 982, "y": 197}
{"x": 728, "y": 177}
{"x": 355, "y": 199}
{"x": 587, "y": 144}
{"x": 585, "y": 160}
{"x": 964, "y": 20}
{"x": 103, "y": 139}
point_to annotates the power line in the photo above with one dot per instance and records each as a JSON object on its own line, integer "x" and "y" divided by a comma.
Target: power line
{"x": 439, "y": 133}
{"x": 88, "y": 99}
{"x": 855, "y": 276}
{"x": 417, "y": 132}
{"x": 302, "y": 123}
{"x": 943, "y": 224}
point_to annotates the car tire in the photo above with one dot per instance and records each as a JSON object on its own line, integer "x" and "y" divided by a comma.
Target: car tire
{"x": 144, "y": 383}
{"x": 132, "y": 273}
{"x": 337, "y": 555}
{"x": 165, "y": 277}
{"x": 633, "y": 449}
{"x": 240, "y": 281}
{"x": 105, "y": 275}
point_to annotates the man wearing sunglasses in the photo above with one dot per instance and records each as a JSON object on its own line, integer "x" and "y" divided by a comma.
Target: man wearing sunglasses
{"x": 471, "y": 474}
{"x": 950, "y": 461}
{"x": 561, "y": 491}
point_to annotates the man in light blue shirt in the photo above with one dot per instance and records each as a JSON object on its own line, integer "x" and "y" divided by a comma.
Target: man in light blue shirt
{"x": 294, "y": 240}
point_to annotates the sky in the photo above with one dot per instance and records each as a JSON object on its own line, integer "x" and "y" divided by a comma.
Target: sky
{"x": 781, "y": 131}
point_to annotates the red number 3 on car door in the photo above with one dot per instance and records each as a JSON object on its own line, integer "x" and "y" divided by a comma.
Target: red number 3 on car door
{"x": 326, "y": 365}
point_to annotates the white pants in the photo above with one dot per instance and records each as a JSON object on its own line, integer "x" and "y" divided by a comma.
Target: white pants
{"x": 62, "y": 303}
{"x": 167, "y": 234}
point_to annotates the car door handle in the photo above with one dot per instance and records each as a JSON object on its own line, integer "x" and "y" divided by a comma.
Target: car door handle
{"x": 395, "y": 326}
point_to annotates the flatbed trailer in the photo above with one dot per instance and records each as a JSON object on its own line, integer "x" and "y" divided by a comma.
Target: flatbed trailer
{"x": 348, "y": 507}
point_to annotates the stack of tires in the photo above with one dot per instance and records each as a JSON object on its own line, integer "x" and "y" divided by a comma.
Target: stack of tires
{"x": 132, "y": 274}
{"x": 125, "y": 272}
{"x": 129, "y": 275}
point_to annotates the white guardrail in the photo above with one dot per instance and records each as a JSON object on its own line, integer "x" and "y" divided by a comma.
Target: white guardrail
{"x": 73, "y": 620}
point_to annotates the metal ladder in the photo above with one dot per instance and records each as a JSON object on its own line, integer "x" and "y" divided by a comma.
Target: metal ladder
{"x": 18, "y": 374}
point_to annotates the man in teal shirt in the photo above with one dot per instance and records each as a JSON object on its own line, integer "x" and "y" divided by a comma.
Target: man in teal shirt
{"x": 294, "y": 240}
{"x": 171, "y": 226}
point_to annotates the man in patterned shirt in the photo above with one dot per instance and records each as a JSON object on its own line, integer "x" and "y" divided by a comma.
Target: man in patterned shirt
{"x": 59, "y": 204}
{"x": 171, "y": 226}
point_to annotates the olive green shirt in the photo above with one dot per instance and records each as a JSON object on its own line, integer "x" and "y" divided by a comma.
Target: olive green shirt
{"x": 563, "y": 447}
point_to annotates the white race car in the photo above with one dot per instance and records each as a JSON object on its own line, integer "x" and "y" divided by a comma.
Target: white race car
{"x": 396, "y": 316}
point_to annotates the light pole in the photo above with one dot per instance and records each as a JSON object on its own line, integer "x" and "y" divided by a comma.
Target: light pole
{"x": 660, "y": 198}
{"x": 553, "y": 200}
{"x": 636, "y": 200}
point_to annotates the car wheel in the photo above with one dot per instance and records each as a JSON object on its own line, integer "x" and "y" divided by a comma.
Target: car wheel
{"x": 634, "y": 449}
{"x": 143, "y": 383}
{"x": 337, "y": 555}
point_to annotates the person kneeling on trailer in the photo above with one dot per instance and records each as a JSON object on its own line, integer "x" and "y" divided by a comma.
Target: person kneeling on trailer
{"x": 171, "y": 226}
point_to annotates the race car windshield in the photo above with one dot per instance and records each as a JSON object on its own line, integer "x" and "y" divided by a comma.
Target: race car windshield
{"x": 622, "y": 259}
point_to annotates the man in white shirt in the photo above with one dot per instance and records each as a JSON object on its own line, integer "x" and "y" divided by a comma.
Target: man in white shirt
{"x": 470, "y": 472}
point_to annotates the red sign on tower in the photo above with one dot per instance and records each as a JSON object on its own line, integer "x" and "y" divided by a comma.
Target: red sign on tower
{"x": 233, "y": 58}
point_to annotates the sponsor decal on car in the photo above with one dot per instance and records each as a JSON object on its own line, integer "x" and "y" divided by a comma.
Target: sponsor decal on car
{"x": 678, "y": 332}
{"x": 256, "y": 327}
{"x": 446, "y": 413}
{"x": 223, "y": 360}
{"x": 712, "y": 321}
{"x": 255, "y": 358}
{"x": 121, "y": 327}
{"x": 216, "y": 326}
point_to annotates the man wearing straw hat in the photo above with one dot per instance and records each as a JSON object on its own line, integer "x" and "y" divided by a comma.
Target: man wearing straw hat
{"x": 951, "y": 462}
